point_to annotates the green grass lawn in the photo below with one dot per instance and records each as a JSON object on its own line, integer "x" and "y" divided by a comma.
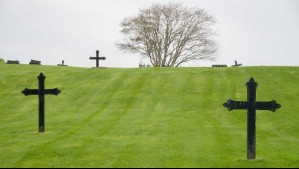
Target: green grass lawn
{"x": 2, "y": 61}
{"x": 152, "y": 117}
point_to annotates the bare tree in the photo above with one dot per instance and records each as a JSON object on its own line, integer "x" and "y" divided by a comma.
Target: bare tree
{"x": 170, "y": 34}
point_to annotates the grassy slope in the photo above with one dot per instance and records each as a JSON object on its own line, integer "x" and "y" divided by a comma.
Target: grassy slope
{"x": 156, "y": 117}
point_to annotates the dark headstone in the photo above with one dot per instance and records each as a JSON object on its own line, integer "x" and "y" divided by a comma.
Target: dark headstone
{"x": 41, "y": 92}
{"x": 251, "y": 105}
{"x": 141, "y": 65}
{"x": 219, "y": 65}
{"x": 35, "y": 62}
{"x": 13, "y": 62}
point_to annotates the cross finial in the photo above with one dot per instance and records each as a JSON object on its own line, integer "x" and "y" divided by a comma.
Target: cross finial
{"x": 228, "y": 105}
{"x": 252, "y": 83}
{"x": 274, "y": 105}
{"x": 41, "y": 76}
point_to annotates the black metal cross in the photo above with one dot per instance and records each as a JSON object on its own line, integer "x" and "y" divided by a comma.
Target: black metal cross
{"x": 41, "y": 92}
{"x": 97, "y": 58}
{"x": 251, "y": 105}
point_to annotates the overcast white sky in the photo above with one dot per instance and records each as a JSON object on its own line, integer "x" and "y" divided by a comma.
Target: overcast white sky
{"x": 253, "y": 32}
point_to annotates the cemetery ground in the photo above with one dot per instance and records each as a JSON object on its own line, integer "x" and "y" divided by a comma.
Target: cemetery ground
{"x": 151, "y": 117}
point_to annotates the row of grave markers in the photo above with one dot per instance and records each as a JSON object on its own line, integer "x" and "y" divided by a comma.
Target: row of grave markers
{"x": 36, "y": 62}
{"x": 251, "y": 105}
{"x": 97, "y": 58}
{"x": 32, "y": 62}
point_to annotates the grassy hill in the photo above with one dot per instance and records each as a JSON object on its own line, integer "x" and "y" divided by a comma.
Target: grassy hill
{"x": 155, "y": 117}
{"x": 2, "y": 61}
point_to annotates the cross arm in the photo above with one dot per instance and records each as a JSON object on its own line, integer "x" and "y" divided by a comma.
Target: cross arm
{"x": 100, "y": 58}
{"x": 231, "y": 105}
{"x": 27, "y": 91}
{"x": 271, "y": 105}
{"x": 55, "y": 91}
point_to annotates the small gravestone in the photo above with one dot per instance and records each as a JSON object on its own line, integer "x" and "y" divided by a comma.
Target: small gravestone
{"x": 141, "y": 65}
{"x": 251, "y": 105}
{"x": 62, "y": 64}
{"x": 219, "y": 65}
{"x": 35, "y": 62}
{"x": 41, "y": 92}
{"x": 13, "y": 62}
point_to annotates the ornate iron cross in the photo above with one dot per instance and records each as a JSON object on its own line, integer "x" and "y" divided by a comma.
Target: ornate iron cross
{"x": 97, "y": 58}
{"x": 251, "y": 105}
{"x": 41, "y": 92}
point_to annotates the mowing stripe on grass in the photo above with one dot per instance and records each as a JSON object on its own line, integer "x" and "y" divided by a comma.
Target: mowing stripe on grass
{"x": 156, "y": 117}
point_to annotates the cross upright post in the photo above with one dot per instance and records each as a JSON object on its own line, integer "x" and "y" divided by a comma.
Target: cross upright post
{"x": 41, "y": 92}
{"x": 251, "y": 105}
{"x": 97, "y": 58}
{"x": 251, "y": 118}
{"x": 41, "y": 103}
